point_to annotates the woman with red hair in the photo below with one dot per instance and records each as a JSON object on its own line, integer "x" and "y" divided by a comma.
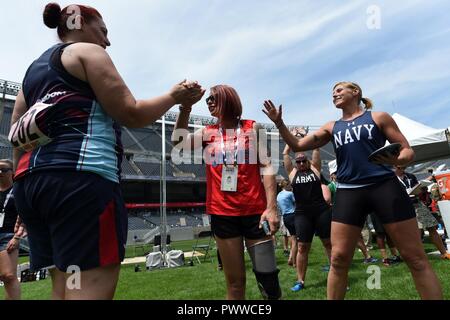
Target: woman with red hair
{"x": 68, "y": 152}
{"x": 238, "y": 199}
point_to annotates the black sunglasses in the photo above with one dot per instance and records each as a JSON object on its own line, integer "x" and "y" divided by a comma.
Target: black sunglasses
{"x": 4, "y": 170}
{"x": 210, "y": 99}
{"x": 301, "y": 161}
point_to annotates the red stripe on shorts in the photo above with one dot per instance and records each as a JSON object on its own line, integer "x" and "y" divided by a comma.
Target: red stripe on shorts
{"x": 108, "y": 246}
{"x": 23, "y": 165}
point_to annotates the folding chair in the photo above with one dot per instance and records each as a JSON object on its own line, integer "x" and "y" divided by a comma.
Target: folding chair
{"x": 201, "y": 247}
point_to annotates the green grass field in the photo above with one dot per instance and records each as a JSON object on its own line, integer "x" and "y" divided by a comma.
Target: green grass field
{"x": 205, "y": 282}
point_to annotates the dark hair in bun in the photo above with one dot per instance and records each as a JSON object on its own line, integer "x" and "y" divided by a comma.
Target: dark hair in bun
{"x": 52, "y": 15}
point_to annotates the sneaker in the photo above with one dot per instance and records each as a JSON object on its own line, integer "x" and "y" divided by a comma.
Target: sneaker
{"x": 370, "y": 260}
{"x": 286, "y": 253}
{"x": 386, "y": 262}
{"x": 298, "y": 286}
{"x": 396, "y": 259}
{"x": 326, "y": 268}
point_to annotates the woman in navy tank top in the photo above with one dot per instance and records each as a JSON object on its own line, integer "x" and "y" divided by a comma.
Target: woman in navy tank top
{"x": 68, "y": 172}
{"x": 365, "y": 187}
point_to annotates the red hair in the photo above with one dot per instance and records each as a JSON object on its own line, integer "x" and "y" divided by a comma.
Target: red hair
{"x": 54, "y": 17}
{"x": 228, "y": 102}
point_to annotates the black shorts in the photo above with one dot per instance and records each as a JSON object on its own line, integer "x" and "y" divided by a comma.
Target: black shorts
{"x": 308, "y": 224}
{"x": 377, "y": 225}
{"x": 386, "y": 199}
{"x": 226, "y": 227}
{"x": 289, "y": 223}
{"x": 73, "y": 219}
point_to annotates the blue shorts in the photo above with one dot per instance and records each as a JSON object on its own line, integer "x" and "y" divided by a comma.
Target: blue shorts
{"x": 73, "y": 219}
{"x": 5, "y": 238}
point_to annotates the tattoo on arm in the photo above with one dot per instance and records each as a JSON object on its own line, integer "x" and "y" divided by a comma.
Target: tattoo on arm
{"x": 316, "y": 138}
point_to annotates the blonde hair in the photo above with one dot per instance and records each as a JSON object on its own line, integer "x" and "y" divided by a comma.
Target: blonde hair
{"x": 368, "y": 104}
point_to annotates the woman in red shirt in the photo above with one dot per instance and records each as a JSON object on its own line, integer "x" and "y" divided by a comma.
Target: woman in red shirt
{"x": 241, "y": 190}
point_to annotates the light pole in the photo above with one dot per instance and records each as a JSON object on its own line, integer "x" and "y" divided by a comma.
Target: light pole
{"x": 163, "y": 207}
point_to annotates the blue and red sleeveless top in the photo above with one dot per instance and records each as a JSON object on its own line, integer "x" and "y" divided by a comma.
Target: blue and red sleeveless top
{"x": 84, "y": 137}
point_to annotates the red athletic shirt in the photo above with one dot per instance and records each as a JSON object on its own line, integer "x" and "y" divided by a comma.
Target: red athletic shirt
{"x": 250, "y": 198}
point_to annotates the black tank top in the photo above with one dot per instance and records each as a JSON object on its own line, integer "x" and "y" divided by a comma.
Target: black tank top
{"x": 308, "y": 193}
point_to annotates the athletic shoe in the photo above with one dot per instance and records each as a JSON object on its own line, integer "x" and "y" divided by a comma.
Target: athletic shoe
{"x": 326, "y": 268}
{"x": 370, "y": 260}
{"x": 298, "y": 286}
{"x": 386, "y": 262}
{"x": 286, "y": 253}
{"x": 395, "y": 259}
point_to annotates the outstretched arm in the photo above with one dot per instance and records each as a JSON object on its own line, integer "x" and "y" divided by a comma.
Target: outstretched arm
{"x": 316, "y": 163}
{"x": 287, "y": 160}
{"x": 181, "y": 138}
{"x": 316, "y": 140}
{"x": 268, "y": 177}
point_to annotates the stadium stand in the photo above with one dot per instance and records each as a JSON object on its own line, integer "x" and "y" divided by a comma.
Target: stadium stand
{"x": 141, "y": 168}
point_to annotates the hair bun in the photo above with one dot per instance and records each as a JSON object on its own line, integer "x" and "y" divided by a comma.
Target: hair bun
{"x": 52, "y": 15}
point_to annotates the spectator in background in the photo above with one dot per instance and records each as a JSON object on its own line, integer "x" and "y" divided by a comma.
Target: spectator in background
{"x": 382, "y": 237}
{"x": 9, "y": 239}
{"x": 312, "y": 213}
{"x": 424, "y": 216}
{"x": 286, "y": 205}
{"x": 436, "y": 196}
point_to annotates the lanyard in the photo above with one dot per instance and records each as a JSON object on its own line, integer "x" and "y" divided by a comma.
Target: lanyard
{"x": 8, "y": 196}
{"x": 236, "y": 144}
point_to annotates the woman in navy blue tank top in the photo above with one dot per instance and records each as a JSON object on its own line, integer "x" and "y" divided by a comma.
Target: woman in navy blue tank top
{"x": 66, "y": 133}
{"x": 365, "y": 187}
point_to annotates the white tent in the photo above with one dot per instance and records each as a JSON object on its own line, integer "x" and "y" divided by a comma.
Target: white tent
{"x": 428, "y": 143}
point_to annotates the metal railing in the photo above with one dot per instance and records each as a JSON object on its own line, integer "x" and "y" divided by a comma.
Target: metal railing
{"x": 9, "y": 88}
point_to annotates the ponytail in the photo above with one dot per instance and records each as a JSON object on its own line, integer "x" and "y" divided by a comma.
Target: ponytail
{"x": 367, "y": 103}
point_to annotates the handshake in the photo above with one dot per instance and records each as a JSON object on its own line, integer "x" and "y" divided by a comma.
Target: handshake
{"x": 187, "y": 93}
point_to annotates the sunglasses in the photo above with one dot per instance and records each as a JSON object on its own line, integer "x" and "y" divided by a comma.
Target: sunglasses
{"x": 4, "y": 170}
{"x": 210, "y": 99}
{"x": 301, "y": 161}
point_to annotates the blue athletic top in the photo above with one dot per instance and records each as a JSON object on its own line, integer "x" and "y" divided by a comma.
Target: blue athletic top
{"x": 286, "y": 202}
{"x": 353, "y": 142}
{"x": 84, "y": 137}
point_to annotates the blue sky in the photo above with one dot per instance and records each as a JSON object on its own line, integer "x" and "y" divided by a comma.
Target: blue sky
{"x": 289, "y": 51}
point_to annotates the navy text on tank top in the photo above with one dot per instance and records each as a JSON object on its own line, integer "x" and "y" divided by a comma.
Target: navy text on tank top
{"x": 308, "y": 193}
{"x": 84, "y": 137}
{"x": 353, "y": 142}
